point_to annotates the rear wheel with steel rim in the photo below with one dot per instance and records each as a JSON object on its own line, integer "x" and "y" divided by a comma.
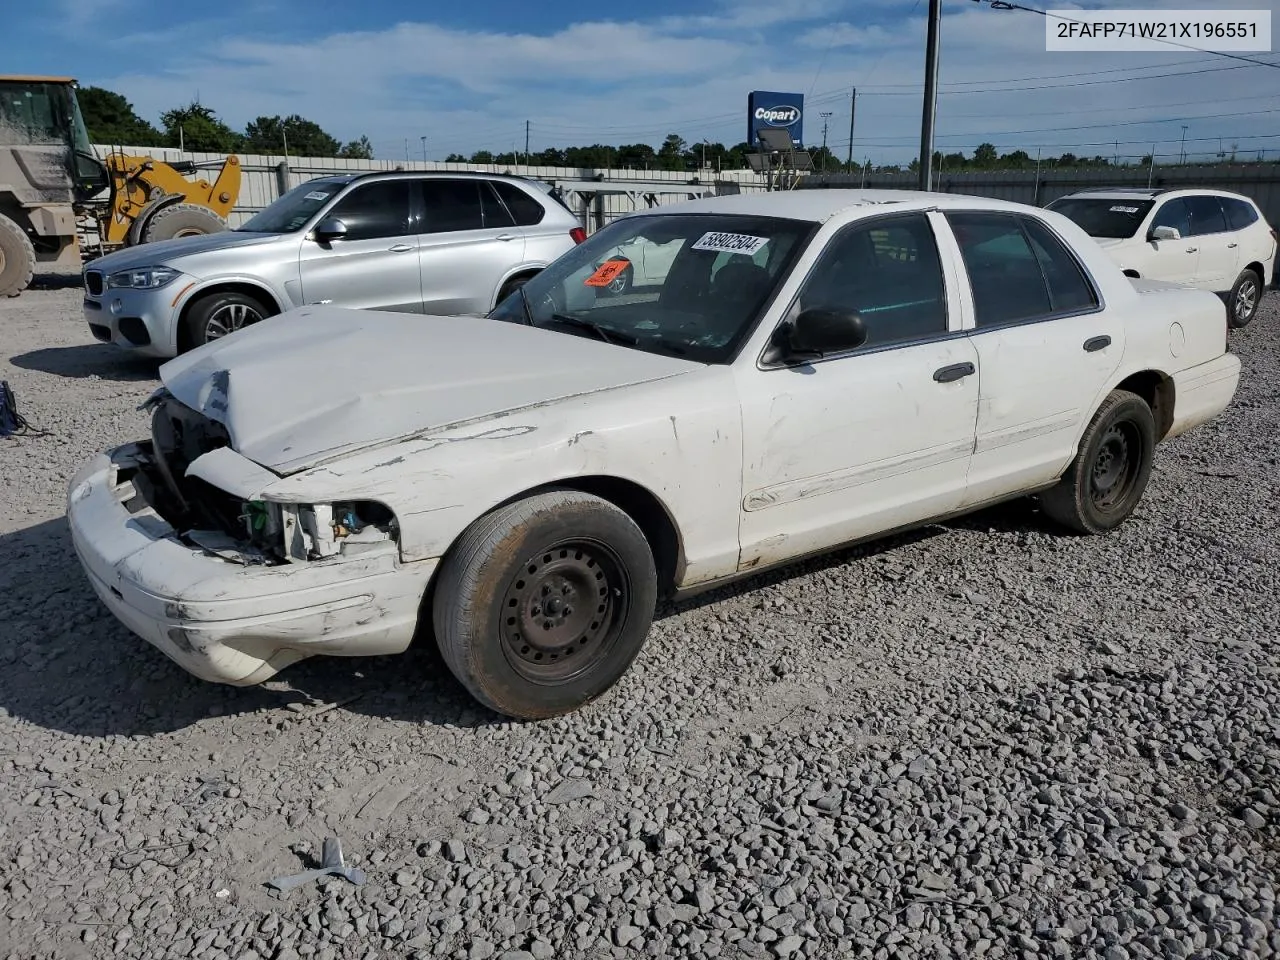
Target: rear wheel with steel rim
{"x": 1242, "y": 302}
{"x": 217, "y": 315}
{"x": 543, "y": 604}
{"x": 1106, "y": 479}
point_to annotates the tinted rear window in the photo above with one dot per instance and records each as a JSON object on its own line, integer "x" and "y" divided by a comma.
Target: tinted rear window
{"x": 1104, "y": 217}
{"x": 1240, "y": 214}
{"x": 523, "y": 207}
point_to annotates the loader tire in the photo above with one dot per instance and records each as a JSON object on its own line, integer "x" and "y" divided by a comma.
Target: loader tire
{"x": 182, "y": 220}
{"x": 17, "y": 258}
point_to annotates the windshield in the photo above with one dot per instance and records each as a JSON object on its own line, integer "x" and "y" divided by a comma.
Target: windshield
{"x": 1104, "y": 217}
{"x": 689, "y": 285}
{"x": 290, "y": 212}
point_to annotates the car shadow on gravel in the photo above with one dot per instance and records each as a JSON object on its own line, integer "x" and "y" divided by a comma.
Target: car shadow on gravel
{"x": 100, "y": 360}
{"x": 55, "y": 281}
{"x": 66, "y": 664}
{"x": 1021, "y": 515}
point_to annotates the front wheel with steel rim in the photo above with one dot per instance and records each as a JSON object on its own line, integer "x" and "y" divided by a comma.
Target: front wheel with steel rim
{"x": 217, "y": 315}
{"x": 1106, "y": 479}
{"x": 543, "y": 604}
{"x": 1243, "y": 300}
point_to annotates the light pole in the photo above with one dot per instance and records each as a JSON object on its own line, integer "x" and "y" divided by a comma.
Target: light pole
{"x": 424, "y": 148}
{"x": 825, "y": 117}
{"x": 1182, "y": 158}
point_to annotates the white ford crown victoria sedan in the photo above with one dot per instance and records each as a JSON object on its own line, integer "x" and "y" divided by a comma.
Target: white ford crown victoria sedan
{"x": 814, "y": 368}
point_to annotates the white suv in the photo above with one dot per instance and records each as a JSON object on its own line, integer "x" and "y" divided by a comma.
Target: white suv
{"x": 1209, "y": 239}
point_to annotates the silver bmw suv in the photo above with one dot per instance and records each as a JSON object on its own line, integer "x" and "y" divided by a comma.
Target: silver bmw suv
{"x": 438, "y": 243}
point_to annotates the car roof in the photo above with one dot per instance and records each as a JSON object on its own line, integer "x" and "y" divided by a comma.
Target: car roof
{"x": 820, "y": 205}
{"x": 1138, "y": 193}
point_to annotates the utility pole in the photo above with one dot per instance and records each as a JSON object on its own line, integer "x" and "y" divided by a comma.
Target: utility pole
{"x": 406, "y": 149}
{"x": 930, "y": 110}
{"x": 526, "y": 143}
{"x": 1151, "y": 166}
{"x": 825, "y": 117}
{"x": 853, "y": 110}
{"x": 424, "y": 148}
{"x": 284, "y": 133}
{"x": 1182, "y": 158}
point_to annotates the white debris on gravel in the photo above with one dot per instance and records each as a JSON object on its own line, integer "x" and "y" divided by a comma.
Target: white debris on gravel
{"x": 986, "y": 738}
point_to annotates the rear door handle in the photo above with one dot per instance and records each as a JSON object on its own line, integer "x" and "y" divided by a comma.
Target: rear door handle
{"x": 1094, "y": 344}
{"x": 505, "y": 236}
{"x": 1232, "y": 246}
{"x": 957, "y": 371}
{"x": 1192, "y": 249}
{"x": 400, "y": 248}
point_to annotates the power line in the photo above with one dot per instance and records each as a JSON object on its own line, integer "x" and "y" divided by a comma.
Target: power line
{"x": 1004, "y": 5}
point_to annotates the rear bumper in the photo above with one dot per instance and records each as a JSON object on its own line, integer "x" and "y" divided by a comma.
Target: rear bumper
{"x": 223, "y": 621}
{"x": 1203, "y": 391}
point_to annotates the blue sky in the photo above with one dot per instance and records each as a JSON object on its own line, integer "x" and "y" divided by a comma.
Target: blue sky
{"x": 468, "y": 75}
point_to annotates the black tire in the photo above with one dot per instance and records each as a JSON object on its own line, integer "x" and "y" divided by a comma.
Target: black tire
{"x": 621, "y": 284}
{"x": 181, "y": 220}
{"x": 17, "y": 258}
{"x": 511, "y": 286}
{"x": 1106, "y": 479}
{"x": 216, "y": 315}
{"x": 1243, "y": 300}
{"x": 561, "y": 548}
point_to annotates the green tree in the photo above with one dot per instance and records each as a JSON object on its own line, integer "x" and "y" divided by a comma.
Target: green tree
{"x": 459, "y": 158}
{"x": 672, "y": 155}
{"x": 111, "y": 119}
{"x": 480, "y": 156}
{"x": 198, "y": 128}
{"x": 302, "y": 137}
{"x": 985, "y": 156}
{"x": 360, "y": 149}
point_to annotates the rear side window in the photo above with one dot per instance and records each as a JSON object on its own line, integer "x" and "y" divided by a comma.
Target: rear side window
{"x": 451, "y": 205}
{"x": 375, "y": 210}
{"x": 1069, "y": 288}
{"x": 1004, "y": 272}
{"x": 523, "y": 207}
{"x": 1206, "y": 215}
{"x": 1240, "y": 213}
{"x": 495, "y": 211}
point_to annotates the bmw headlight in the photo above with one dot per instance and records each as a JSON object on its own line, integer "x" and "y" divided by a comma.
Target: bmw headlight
{"x": 142, "y": 278}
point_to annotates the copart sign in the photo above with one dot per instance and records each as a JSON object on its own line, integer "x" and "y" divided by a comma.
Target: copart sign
{"x": 766, "y": 109}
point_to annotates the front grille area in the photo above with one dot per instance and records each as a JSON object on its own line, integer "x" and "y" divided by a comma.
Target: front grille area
{"x": 93, "y": 282}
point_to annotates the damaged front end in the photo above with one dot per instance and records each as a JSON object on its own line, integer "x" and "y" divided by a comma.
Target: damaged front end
{"x": 233, "y": 520}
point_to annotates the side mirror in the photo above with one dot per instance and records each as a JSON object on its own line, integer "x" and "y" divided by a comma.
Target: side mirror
{"x": 1165, "y": 233}
{"x": 817, "y": 332}
{"x": 330, "y": 228}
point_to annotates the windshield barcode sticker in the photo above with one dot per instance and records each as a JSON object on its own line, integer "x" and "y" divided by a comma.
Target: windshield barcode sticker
{"x": 1124, "y": 209}
{"x": 735, "y": 242}
{"x": 317, "y": 195}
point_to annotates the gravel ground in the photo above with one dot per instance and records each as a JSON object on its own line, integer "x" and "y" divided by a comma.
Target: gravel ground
{"x": 981, "y": 739}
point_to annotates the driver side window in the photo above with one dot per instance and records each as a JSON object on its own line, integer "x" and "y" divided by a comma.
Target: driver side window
{"x": 1174, "y": 214}
{"x": 889, "y": 272}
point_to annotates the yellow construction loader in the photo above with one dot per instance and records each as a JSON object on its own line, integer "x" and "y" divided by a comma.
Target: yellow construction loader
{"x": 52, "y": 180}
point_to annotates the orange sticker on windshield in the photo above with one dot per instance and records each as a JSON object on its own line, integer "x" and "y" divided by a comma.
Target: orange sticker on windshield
{"x": 606, "y": 273}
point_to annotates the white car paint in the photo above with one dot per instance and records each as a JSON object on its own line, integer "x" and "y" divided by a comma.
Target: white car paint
{"x": 442, "y": 419}
{"x": 1208, "y": 261}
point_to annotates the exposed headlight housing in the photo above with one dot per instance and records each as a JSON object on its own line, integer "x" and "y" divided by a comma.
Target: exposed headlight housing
{"x": 303, "y": 532}
{"x": 142, "y": 278}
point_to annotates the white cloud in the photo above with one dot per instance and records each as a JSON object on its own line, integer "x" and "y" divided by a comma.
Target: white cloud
{"x": 616, "y": 82}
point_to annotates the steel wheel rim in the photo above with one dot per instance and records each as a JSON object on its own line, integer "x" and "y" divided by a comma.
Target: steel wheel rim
{"x": 563, "y": 610}
{"x": 1115, "y": 466}
{"x": 1246, "y": 300}
{"x": 229, "y": 318}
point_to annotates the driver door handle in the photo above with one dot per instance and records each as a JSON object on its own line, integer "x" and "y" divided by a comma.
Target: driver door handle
{"x": 400, "y": 248}
{"x": 1232, "y": 246}
{"x": 1192, "y": 249}
{"x": 957, "y": 371}
{"x": 505, "y": 237}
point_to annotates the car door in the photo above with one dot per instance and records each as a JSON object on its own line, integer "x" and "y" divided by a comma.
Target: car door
{"x": 848, "y": 446}
{"x": 547, "y": 232}
{"x": 1174, "y": 260}
{"x": 1218, "y": 248}
{"x": 375, "y": 265}
{"x": 1047, "y": 348}
{"x": 468, "y": 244}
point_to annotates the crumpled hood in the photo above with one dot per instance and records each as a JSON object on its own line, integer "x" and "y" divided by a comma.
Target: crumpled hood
{"x": 178, "y": 252}
{"x": 318, "y": 382}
